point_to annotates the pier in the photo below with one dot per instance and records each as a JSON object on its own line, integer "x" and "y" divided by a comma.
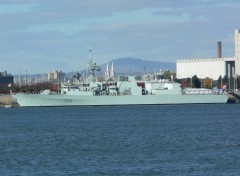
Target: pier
{"x": 234, "y": 97}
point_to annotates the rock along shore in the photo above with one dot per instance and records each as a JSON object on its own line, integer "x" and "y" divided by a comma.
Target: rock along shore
{"x": 7, "y": 100}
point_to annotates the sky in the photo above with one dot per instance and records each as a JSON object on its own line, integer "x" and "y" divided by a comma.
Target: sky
{"x": 44, "y": 35}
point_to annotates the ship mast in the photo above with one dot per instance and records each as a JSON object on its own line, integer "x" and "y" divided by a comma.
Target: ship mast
{"x": 92, "y": 67}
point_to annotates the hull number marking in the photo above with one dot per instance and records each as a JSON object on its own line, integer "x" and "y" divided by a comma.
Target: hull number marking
{"x": 67, "y": 100}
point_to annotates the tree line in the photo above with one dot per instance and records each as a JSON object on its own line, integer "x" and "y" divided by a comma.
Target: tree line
{"x": 194, "y": 82}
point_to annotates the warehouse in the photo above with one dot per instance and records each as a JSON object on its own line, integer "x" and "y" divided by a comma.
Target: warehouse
{"x": 211, "y": 67}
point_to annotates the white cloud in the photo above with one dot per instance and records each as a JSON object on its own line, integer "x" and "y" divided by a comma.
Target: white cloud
{"x": 60, "y": 32}
{"x": 16, "y": 8}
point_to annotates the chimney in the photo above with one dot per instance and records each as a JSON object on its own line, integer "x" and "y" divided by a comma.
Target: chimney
{"x": 219, "y": 50}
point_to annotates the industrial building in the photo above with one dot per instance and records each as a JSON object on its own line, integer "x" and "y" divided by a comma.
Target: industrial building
{"x": 56, "y": 76}
{"x": 211, "y": 67}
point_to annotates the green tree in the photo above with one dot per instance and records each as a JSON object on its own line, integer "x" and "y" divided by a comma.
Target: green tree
{"x": 196, "y": 81}
{"x": 225, "y": 80}
{"x": 167, "y": 75}
{"x": 238, "y": 82}
{"x": 219, "y": 82}
{"x": 208, "y": 83}
{"x": 188, "y": 81}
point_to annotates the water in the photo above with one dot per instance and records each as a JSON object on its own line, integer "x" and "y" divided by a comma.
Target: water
{"x": 121, "y": 140}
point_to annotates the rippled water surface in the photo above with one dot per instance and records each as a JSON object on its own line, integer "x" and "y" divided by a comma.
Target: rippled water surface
{"x": 121, "y": 140}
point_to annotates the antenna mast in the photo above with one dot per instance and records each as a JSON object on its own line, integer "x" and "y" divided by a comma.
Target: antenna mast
{"x": 92, "y": 68}
{"x": 90, "y": 52}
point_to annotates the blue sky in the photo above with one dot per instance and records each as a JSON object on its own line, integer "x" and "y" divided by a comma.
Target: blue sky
{"x": 44, "y": 35}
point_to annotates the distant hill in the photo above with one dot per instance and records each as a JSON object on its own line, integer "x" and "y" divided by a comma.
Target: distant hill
{"x": 121, "y": 65}
{"x": 127, "y": 65}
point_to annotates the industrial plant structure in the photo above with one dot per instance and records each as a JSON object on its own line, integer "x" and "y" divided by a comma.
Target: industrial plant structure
{"x": 56, "y": 76}
{"x": 211, "y": 67}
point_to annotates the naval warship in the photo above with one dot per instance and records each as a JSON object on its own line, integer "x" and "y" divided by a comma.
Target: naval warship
{"x": 128, "y": 90}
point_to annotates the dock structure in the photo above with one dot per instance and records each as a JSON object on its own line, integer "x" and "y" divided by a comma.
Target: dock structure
{"x": 234, "y": 97}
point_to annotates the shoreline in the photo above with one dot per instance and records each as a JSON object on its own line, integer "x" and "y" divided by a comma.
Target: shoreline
{"x": 7, "y": 101}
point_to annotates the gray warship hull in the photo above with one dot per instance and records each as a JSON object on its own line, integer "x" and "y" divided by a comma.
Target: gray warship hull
{"x": 75, "y": 100}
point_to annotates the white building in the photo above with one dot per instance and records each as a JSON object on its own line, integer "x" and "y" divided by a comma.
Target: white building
{"x": 237, "y": 51}
{"x": 211, "y": 67}
{"x": 56, "y": 76}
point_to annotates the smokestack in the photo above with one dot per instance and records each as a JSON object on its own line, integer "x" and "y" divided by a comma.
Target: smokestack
{"x": 219, "y": 50}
